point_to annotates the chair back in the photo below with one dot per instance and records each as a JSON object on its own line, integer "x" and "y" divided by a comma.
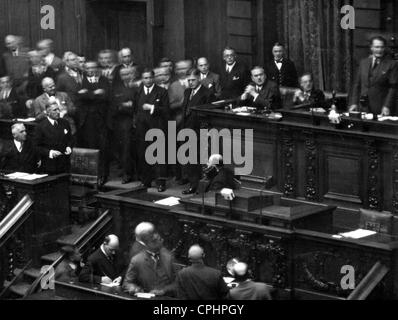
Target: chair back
{"x": 85, "y": 166}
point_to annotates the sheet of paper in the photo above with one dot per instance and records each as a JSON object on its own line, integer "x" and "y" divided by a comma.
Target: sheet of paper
{"x": 27, "y": 120}
{"x": 358, "y": 234}
{"x": 17, "y": 175}
{"x": 32, "y": 177}
{"x": 110, "y": 285}
{"x": 170, "y": 202}
{"x": 145, "y": 295}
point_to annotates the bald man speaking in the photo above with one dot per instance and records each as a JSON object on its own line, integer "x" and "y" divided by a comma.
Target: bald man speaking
{"x": 200, "y": 282}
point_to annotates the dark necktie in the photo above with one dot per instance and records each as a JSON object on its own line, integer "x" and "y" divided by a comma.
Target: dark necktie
{"x": 192, "y": 95}
{"x": 376, "y": 62}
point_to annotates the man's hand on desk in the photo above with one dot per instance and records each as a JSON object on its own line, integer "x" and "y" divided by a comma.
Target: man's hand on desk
{"x": 249, "y": 91}
{"x": 54, "y": 154}
{"x": 158, "y": 293}
{"x": 106, "y": 280}
{"x": 118, "y": 281}
{"x": 299, "y": 96}
{"x": 385, "y": 112}
{"x": 99, "y": 92}
{"x": 68, "y": 151}
{"x": 352, "y": 108}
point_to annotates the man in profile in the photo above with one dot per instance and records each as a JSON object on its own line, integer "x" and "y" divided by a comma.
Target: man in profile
{"x": 18, "y": 155}
{"x": 376, "y": 82}
{"x": 45, "y": 47}
{"x": 280, "y": 69}
{"x": 70, "y": 79}
{"x": 308, "y": 94}
{"x": 208, "y": 78}
{"x": 200, "y": 282}
{"x": 262, "y": 94}
{"x": 234, "y": 76}
{"x": 144, "y": 230}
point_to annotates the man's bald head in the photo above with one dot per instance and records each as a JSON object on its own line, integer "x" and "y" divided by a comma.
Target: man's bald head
{"x": 241, "y": 271}
{"x": 111, "y": 244}
{"x": 144, "y": 231}
{"x": 48, "y": 85}
{"x": 12, "y": 42}
{"x": 196, "y": 253}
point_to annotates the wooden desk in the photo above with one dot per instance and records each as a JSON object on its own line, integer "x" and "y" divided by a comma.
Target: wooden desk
{"x": 302, "y": 263}
{"x": 50, "y": 217}
{"x": 352, "y": 165}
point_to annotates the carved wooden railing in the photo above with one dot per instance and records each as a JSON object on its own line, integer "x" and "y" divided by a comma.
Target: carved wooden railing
{"x": 90, "y": 238}
{"x": 14, "y": 241}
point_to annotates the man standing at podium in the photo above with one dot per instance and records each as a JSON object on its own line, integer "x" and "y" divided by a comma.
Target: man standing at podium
{"x": 53, "y": 141}
{"x": 376, "y": 82}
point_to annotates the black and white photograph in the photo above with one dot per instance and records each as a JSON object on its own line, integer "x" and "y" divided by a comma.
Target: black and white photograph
{"x": 198, "y": 154}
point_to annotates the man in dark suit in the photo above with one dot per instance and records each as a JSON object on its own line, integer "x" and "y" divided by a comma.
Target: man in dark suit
{"x": 209, "y": 79}
{"x": 152, "y": 270}
{"x": 126, "y": 61}
{"x": 45, "y": 47}
{"x": 281, "y": 70}
{"x": 107, "y": 61}
{"x": 234, "y": 77}
{"x": 53, "y": 141}
{"x": 218, "y": 177}
{"x": 152, "y": 103}
{"x": 248, "y": 289}
{"x": 262, "y": 93}
{"x": 11, "y": 103}
{"x": 70, "y": 79}
{"x": 196, "y": 95}
{"x": 200, "y": 282}
{"x": 308, "y": 93}
{"x": 376, "y": 82}
{"x": 18, "y": 155}
{"x": 145, "y": 230}
{"x": 122, "y": 123}
{"x": 16, "y": 60}
{"x": 104, "y": 265}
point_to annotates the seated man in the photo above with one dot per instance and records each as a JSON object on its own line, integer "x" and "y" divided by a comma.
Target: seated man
{"x": 18, "y": 155}
{"x": 67, "y": 108}
{"x": 151, "y": 270}
{"x": 261, "y": 94}
{"x": 69, "y": 269}
{"x": 308, "y": 94}
{"x": 199, "y": 282}
{"x": 247, "y": 289}
{"x": 217, "y": 176}
{"x": 103, "y": 266}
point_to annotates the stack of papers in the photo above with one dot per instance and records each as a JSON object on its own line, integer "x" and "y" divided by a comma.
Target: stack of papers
{"x": 111, "y": 285}
{"x": 170, "y": 202}
{"x": 358, "y": 234}
{"x": 26, "y": 176}
{"x": 145, "y": 295}
{"x": 27, "y": 120}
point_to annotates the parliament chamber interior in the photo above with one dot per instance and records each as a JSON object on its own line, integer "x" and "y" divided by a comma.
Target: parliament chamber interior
{"x": 199, "y": 150}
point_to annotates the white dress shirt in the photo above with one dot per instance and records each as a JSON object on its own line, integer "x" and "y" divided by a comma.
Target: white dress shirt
{"x": 18, "y": 145}
{"x": 279, "y": 64}
{"x": 230, "y": 67}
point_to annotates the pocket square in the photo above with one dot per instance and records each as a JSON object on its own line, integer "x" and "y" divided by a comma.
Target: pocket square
{"x": 66, "y": 131}
{"x": 235, "y": 78}
{"x": 210, "y": 85}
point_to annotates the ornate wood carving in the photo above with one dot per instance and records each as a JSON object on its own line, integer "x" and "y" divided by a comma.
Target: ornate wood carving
{"x": 395, "y": 179}
{"x": 374, "y": 200}
{"x": 288, "y": 163}
{"x": 311, "y": 165}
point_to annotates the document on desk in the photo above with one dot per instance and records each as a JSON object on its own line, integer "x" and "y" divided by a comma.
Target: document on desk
{"x": 26, "y": 176}
{"x": 17, "y": 175}
{"x": 27, "y": 120}
{"x": 358, "y": 234}
{"x": 170, "y": 202}
{"x": 110, "y": 285}
{"x": 145, "y": 295}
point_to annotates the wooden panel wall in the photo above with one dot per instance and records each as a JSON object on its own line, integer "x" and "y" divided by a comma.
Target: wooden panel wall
{"x": 22, "y": 17}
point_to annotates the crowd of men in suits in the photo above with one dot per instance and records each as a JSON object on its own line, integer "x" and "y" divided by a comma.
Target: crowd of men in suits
{"x": 151, "y": 268}
{"x": 111, "y": 103}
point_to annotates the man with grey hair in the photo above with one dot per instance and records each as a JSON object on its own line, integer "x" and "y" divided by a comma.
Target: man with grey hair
{"x": 19, "y": 154}
{"x": 67, "y": 108}
{"x": 45, "y": 47}
{"x": 126, "y": 60}
{"x": 199, "y": 282}
{"x": 143, "y": 232}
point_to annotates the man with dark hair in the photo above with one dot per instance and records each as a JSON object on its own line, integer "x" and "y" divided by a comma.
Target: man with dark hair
{"x": 152, "y": 112}
{"x": 70, "y": 79}
{"x": 104, "y": 265}
{"x": 308, "y": 94}
{"x": 18, "y": 155}
{"x": 53, "y": 141}
{"x": 234, "y": 76}
{"x": 208, "y": 78}
{"x": 247, "y": 289}
{"x": 262, "y": 93}
{"x": 376, "y": 83}
{"x": 196, "y": 95}
{"x": 200, "y": 282}
{"x": 11, "y": 103}
{"x": 281, "y": 70}
{"x": 70, "y": 267}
